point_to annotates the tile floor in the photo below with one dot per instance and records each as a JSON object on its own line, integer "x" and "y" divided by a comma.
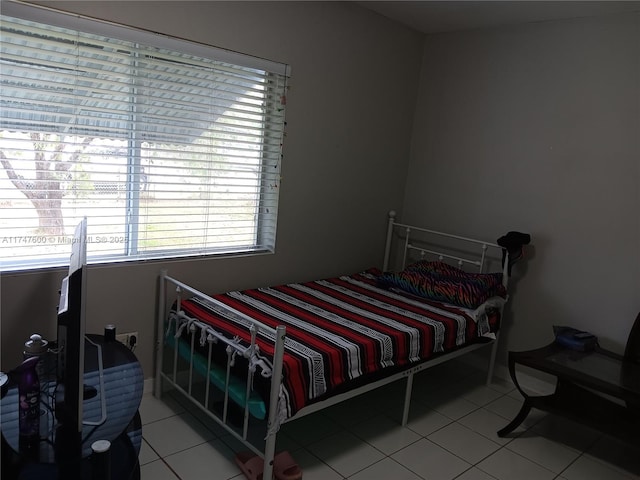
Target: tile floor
{"x": 451, "y": 434}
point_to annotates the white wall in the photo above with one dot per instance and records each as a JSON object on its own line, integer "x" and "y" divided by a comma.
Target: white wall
{"x": 349, "y": 112}
{"x": 535, "y": 128}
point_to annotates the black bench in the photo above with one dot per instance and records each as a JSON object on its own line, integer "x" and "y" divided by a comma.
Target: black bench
{"x": 598, "y": 388}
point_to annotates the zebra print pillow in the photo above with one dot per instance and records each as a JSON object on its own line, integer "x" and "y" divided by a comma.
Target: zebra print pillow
{"x": 445, "y": 283}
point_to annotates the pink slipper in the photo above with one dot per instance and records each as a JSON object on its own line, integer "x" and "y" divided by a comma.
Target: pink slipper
{"x": 284, "y": 466}
{"x": 250, "y": 464}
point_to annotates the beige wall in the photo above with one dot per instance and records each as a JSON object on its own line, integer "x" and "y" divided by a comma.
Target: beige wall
{"x": 536, "y": 128}
{"x": 350, "y": 107}
{"x": 532, "y": 128}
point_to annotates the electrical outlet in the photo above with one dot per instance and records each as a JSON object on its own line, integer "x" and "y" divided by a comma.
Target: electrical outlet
{"x": 127, "y": 338}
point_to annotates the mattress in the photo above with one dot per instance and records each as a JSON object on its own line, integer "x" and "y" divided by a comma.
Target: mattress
{"x": 340, "y": 331}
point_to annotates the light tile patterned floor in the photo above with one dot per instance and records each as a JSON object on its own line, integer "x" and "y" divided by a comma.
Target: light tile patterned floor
{"x": 451, "y": 434}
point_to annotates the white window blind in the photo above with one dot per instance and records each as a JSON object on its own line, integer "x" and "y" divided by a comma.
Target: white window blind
{"x": 168, "y": 147}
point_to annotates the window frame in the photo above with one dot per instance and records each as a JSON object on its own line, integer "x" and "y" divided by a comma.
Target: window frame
{"x": 121, "y": 32}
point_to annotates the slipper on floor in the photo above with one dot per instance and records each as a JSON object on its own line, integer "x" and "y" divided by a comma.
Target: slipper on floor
{"x": 285, "y": 467}
{"x": 250, "y": 464}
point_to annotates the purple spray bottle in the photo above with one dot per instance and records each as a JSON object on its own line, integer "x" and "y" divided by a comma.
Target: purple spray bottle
{"x": 29, "y": 408}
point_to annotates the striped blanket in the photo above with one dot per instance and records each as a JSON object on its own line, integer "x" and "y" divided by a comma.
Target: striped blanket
{"x": 339, "y": 330}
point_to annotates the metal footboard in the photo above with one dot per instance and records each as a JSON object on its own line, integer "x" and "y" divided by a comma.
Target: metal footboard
{"x": 177, "y": 322}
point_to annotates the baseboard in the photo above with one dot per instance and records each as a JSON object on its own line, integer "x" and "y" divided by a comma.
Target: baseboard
{"x": 532, "y": 381}
{"x": 534, "y": 384}
{"x": 149, "y": 383}
{"x": 148, "y": 386}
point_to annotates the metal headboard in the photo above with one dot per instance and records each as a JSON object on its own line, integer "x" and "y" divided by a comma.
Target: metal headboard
{"x": 478, "y": 260}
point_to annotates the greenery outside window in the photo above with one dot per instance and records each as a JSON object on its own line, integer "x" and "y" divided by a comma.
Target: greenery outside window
{"x": 168, "y": 147}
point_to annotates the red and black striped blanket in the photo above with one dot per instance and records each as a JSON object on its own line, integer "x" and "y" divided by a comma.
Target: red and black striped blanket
{"x": 340, "y": 330}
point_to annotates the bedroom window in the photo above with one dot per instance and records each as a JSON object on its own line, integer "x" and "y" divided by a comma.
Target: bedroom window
{"x": 168, "y": 147}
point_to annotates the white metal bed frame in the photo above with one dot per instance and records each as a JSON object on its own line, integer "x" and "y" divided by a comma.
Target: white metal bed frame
{"x": 273, "y": 422}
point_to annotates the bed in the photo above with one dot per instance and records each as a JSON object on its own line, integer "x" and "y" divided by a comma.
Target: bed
{"x": 257, "y": 358}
